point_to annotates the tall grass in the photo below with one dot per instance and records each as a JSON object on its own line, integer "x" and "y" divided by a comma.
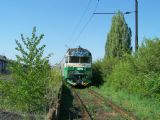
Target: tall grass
{"x": 54, "y": 86}
{"x": 142, "y": 108}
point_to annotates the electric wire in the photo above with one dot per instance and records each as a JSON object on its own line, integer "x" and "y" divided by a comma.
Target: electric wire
{"x": 79, "y": 22}
{"x": 85, "y": 25}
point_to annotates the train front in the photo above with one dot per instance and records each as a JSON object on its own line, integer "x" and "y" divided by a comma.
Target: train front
{"x": 77, "y": 67}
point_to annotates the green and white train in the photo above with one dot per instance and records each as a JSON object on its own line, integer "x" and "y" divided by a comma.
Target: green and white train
{"x": 77, "y": 67}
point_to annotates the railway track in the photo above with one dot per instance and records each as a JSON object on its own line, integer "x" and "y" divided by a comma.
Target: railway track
{"x": 113, "y": 105}
{"x": 86, "y": 113}
{"x": 86, "y": 104}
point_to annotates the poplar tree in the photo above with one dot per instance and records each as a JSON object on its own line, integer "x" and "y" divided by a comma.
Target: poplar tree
{"x": 119, "y": 37}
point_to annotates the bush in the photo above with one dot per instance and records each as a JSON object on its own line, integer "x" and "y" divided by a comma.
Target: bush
{"x": 108, "y": 66}
{"x": 148, "y": 58}
{"x": 148, "y": 65}
{"x": 31, "y": 74}
{"x": 137, "y": 73}
{"x": 121, "y": 75}
{"x": 97, "y": 79}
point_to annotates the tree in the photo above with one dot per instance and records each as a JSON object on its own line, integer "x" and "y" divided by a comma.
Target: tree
{"x": 119, "y": 37}
{"x": 31, "y": 75}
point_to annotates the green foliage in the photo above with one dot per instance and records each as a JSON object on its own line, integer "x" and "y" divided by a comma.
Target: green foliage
{"x": 137, "y": 73}
{"x": 121, "y": 75}
{"x": 135, "y": 79}
{"x": 148, "y": 63}
{"x": 148, "y": 56}
{"x": 119, "y": 38}
{"x": 97, "y": 79}
{"x": 31, "y": 74}
{"x": 53, "y": 86}
{"x": 108, "y": 66}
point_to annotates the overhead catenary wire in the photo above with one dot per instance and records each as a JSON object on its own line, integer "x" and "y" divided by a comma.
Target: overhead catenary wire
{"x": 79, "y": 22}
{"x": 85, "y": 25}
{"x": 76, "y": 27}
{"x": 84, "y": 13}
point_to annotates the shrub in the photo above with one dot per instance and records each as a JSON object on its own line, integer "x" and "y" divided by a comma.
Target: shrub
{"x": 148, "y": 58}
{"x": 31, "y": 74}
{"x": 108, "y": 66}
{"x": 97, "y": 79}
{"x": 122, "y": 74}
{"x": 137, "y": 73}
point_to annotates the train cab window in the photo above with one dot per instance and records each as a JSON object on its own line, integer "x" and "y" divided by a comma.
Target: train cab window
{"x": 79, "y": 59}
{"x": 74, "y": 59}
{"x": 85, "y": 60}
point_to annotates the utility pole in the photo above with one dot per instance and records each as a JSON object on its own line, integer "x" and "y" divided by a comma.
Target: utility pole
{"x": 136, "y": 25}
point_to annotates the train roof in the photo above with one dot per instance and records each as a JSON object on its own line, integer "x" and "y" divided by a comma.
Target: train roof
{"x": 79, "y": 52}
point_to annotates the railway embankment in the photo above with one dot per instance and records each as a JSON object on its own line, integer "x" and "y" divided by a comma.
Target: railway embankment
{"x": 54, "y": 110}
{"x": 86, "y": 104}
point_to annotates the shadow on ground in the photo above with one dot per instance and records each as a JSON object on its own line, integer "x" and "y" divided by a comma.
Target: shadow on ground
{"x": 68, "y": 111}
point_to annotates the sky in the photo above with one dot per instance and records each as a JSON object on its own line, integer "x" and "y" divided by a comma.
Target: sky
{"x": 70, "y": 23}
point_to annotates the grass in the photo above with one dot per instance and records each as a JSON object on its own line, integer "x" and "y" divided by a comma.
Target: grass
{"x": 143, "y": 108}
{"x": 97, "y": 108}
{"x": 5, "y": 76}
{"x": 54, "y": 86}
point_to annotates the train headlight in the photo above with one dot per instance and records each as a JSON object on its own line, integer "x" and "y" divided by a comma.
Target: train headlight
{"x": 79, "y": 68}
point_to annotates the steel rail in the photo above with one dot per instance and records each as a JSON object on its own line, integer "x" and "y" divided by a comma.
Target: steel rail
{"x": 113, "y": 105}
{"x": 85, "y": 110}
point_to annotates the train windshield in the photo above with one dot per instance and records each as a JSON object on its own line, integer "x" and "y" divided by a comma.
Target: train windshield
{"x": 74, "y": 59}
